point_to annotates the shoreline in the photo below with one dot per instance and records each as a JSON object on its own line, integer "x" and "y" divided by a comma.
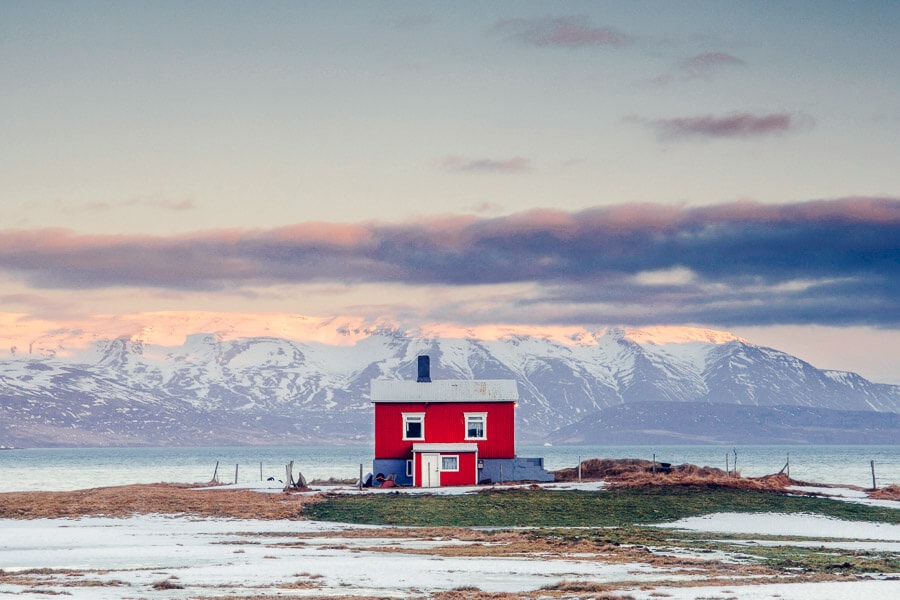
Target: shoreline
{"x": 58, "y": 470}
{"x": 272, "y": 499}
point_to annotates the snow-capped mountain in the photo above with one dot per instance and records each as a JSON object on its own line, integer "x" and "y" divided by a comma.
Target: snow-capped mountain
{"x": 206, "y": 378}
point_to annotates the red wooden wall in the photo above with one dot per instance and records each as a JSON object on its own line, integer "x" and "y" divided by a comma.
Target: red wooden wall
{"x": 445, "y": 423}
{"x": 466, "y": 475}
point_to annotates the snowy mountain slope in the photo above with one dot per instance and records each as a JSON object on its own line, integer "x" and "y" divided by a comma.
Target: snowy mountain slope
{"x": 168, "y": 383}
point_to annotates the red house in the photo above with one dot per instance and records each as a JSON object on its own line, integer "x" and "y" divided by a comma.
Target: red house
{"x": 450, "y": 432}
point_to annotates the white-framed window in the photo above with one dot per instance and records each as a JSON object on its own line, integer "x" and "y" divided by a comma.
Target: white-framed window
{"x": 413, "y": 426}
{"x": 449, "y": 463}
{"x": 476, "y": 426}
{"x": 409, "y": 468}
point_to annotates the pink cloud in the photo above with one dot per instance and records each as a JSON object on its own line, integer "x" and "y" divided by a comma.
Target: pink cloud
{"x": 460, "y": 164}
{"x": 712, "y": 60}
{"x": 558, "y": 223}
{"x": 322, "y": 233}
{"x": 738, "y": 125}
{"x": 631, "y": 216}
{"x": 702, "y": 66}
{"x": 742, "y": 262}
{"x": 185, "y": 204}
{"x": 154, "y": 203}
{"x": 569, "y": 32}
{"x": 865, "y": 209}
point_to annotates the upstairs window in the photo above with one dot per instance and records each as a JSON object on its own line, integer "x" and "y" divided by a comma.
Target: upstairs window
{"x": 476, "y": 426}
{"x": 413, "y": 426}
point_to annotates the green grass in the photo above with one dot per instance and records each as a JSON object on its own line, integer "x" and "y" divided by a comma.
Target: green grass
{"x": 541, "y": 508}
{"x": 624, "y": 517}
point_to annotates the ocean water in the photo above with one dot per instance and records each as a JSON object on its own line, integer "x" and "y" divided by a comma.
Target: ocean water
{"x": 82, "y": 468}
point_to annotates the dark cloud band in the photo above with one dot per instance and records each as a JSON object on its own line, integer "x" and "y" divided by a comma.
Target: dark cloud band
{"x": 832, "y": 261}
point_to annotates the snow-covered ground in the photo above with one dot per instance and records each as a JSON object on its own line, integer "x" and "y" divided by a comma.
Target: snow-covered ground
{"x": 166, "y": 557}
{"x": 241, "y": 556}
{"x": 867, "y": 536}
{"x": 830, "y": 590}
{"x": 227, "y": 556}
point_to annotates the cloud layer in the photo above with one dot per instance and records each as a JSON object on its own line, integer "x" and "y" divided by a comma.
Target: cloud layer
{"x": 461, "y": 164}
{"x": 737, "y": 125}
{"x": 834, "y": 262}
{"x": 705, "y": 66}
{"x": 561, "y": 31}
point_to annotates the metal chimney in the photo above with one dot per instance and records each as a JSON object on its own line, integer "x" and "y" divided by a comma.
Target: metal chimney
{"x": 424, "y": 370}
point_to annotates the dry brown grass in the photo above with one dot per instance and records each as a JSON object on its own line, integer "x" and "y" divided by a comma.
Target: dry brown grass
{"x": 891, "y": 492}
{"x": 162, "y": 498}
{"x": 473, "y": 593}
{"x": 633, "y": 472}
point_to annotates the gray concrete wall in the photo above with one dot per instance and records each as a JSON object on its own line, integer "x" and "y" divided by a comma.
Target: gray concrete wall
{"x": 498, "y": 470}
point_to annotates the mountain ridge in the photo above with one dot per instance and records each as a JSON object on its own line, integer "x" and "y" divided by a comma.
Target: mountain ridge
{"x": 160, "y": 381}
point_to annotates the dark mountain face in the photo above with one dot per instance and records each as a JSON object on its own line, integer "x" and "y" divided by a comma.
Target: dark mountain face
{"x": 602, "y": 387}
{"x": 695, "y": 423}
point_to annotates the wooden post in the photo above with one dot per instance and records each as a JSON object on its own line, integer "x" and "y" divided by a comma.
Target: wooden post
{"x": 360, "y": 477}
{"x": 874, "y": 487}
{"x": 579, "y": 468}
{"x": 786, "y": 467}
{"x": 727, "y": 468}
{"x": 235, "y": 473}
{"x": 654, "y": 463}
{"x": 260, "y": 471}
{"x": 216, "y": 472}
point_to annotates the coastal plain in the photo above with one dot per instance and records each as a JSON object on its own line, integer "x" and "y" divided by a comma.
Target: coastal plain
{"x": 688, "y": 539}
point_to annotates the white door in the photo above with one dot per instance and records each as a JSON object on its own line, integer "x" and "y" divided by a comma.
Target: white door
{"x": 431, "y": 473}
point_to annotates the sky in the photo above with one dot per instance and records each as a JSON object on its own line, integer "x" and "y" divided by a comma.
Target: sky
{"x": 731, "y": 165}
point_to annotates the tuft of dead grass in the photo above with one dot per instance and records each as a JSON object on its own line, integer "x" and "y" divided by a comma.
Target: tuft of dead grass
{"x": 890, "y": 492}
{"x": 161, "y": 498}
{"x": 167, "y": 584}
{"x": 605, "y": 590}
{"x": 634, "y": 472}
{"x": 473, "y": 593}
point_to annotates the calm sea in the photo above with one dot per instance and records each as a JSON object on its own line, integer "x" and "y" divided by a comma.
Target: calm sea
{"x": 82, "y": 468}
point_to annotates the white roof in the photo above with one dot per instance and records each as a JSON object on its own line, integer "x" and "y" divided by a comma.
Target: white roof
{"x": 445, "y": 390}
{"x": 445, "y": 447}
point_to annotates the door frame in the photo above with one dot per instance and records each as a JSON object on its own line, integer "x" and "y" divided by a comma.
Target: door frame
{"x": 431, "y": 476}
